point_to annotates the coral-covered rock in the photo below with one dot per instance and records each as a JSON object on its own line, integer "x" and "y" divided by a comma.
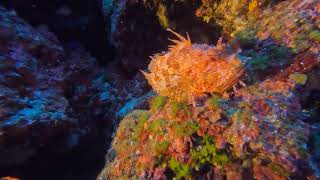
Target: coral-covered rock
{"x": 233, "y": 171}
{"x": 262, "y": 124}
{"x": 231, "y": 15}
{"x": 251, "y": 25}
{"x": 33, "y": 108}
{"x": 267, "y": 121}
{"x": 297, "y": 27}
{"x": 263, "y": 172}
{"x": 261, "y": 132}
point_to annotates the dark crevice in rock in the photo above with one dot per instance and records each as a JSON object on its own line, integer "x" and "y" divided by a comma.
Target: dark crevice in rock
{"x": 137, "y": 31}
{"x": 42, "y": 133}
{"x": 81, "y": 163}
{"x": 72, "y": 21}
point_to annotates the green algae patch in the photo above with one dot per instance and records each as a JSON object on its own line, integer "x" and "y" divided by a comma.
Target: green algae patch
{"x": 158, "y": 102}
{"x": 162, "y": 15}
{"x": 137, "y": 129}
{"x": 184, "y": 129}
{"x": 159, "y": 147}
{"x": 315, "y": 35}
{"x": 181, "y": 170}
{"x": 177, "y": 107}
{"x": 207, "y": 153}
{"x": 129, "y": 131}
{"x": 299, "y": 78}
{"x": 214, "y": 102}
{"x": 157, "y": 126}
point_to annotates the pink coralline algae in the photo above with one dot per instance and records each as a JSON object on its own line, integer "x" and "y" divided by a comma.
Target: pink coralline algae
{"x": 267, "y": 121}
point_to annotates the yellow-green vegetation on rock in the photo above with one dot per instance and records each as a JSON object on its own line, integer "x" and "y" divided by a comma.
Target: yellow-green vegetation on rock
{"x": 157, "y": 126}
{"x": 231, "y": 15}
{"x": 178, "y": 107}
{"x": 158, "y": 102}
{"x": 299, "y": 78}
{"x": 315, "y": 35}
{"x": 142, "y": 118}
{"x": 124, "y": 145}
{"x": 185, "y": 128}
{"x": 272, "y": 55}
{"x": 147, "y": 140}
{"x": 162, "y": 15}
{"x": 159, "y": 148}
{"x": 293, "y": 24}
{"x": 207, "y": 153}
{"x": 180, "y": 170}
{"x": 269, "y": 32}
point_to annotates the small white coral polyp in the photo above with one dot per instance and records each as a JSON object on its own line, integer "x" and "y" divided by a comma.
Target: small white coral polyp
{"x": 189, "y": 70}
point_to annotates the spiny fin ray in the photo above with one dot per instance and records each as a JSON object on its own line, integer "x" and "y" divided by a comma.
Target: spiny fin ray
{"x": 180, "y": 37}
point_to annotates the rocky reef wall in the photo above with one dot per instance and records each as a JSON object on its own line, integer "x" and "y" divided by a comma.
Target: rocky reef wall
{"x": 57, "y": 103}
{"x": 244, "y": 108}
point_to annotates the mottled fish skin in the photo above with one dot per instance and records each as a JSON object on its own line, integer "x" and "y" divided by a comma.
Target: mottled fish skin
{"x": 188, "y": 69}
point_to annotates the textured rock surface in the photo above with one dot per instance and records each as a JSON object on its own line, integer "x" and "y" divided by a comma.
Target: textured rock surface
{"x": 33, "y": 108}
{"x": 51, "y": 97}
{"x": 259, "y": 133}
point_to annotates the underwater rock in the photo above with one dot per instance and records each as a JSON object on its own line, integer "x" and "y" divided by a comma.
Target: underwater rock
{"x": 33, "y": 108}
{"x": 103, "y": 96}
{"x": 50, "y": 94}
{"x": 263, "y": 172}
{"x": 271, "y": 46}
{"x": 251, "y": 21}
{"x": 134, "y": 103}
{"x": 259, "y": 132}
{"x": 259, "y": 124}
{"x": 231, "y": 15}
{"x": 55, "y": 13}
{"x": 271, "y": 136}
